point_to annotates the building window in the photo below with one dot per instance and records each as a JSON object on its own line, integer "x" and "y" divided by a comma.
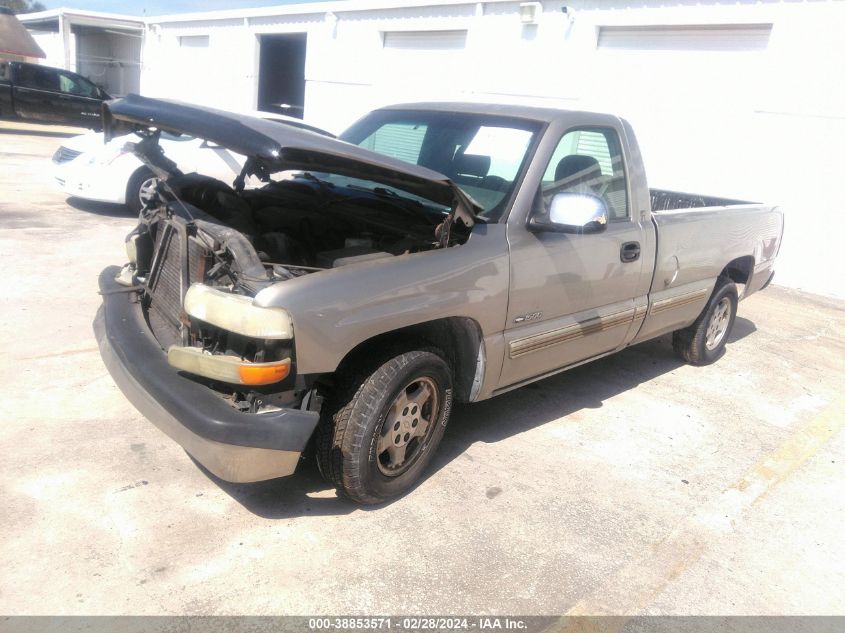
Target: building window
{"x": 693, "y": 37}
{"x": 193, "y": 41}
{"x": 425, "y": 40}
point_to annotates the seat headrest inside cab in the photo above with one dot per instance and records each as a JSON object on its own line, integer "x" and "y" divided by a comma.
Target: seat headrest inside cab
{"x": 578, "y": 168}
{"x": 472, "y": 165}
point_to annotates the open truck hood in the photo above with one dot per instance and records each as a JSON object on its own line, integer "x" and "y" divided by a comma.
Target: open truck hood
{"x": 279, "y": 147}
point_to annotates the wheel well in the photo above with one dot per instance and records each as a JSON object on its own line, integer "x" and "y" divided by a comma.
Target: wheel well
{"x": 457, "y": 339}
{"x": 739, "y": 270}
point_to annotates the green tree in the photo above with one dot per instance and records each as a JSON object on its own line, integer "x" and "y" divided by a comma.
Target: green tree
{"x": 22, "y": 6}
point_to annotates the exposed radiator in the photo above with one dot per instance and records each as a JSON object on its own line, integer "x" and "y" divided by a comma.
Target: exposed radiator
{"x": 166, "y": 288}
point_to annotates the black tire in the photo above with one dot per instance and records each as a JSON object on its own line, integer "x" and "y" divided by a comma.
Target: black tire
{"x": 692, "y": 344}
{"x": 355, "y": 418}
{"x": 133, "y": 189}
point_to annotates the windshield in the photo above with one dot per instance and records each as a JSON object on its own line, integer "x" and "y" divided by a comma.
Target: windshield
{"x": 483, "y": 155}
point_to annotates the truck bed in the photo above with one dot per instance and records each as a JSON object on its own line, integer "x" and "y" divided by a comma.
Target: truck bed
{"x": 697, "y": 238}
{"x": 665, "y": 200}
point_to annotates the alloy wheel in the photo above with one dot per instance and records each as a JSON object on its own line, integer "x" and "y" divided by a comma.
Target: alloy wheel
{"x": 407, "y": 425}
{"x": 147, "y": 190}
{"x": 718, "y": 325}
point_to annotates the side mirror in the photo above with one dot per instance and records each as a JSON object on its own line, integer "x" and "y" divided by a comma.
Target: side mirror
{"x": 572, "y": 213}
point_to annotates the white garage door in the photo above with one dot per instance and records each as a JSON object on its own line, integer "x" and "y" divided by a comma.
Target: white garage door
{"x": 418, "y": 62}
{"x": 696, "y": 64}
{"x": 690, "y": 92}
{"x": 718, "y": 37}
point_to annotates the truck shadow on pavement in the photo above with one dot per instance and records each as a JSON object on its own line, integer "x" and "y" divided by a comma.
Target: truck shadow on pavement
{"x": 585, "y": 387}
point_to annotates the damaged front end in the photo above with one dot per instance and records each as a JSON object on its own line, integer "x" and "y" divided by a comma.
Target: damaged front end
{"x": 304, "y": 204}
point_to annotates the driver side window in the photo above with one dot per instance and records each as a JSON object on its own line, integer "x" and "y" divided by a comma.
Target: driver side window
{"x": 589, "y": 161}
{"x": 76, "y": 85}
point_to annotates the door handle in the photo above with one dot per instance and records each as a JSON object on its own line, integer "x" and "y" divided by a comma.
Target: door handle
{"x": 630, "y": 252}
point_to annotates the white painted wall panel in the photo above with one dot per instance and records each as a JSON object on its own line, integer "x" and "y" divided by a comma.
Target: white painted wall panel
{"x": 51, "y": 44}
{"x": 738, "y": 99}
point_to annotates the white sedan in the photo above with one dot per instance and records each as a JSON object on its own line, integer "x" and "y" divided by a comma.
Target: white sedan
{"x": 87, "y": 168}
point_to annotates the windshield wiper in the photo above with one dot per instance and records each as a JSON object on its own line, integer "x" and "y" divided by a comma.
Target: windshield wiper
{"x": 394, "y": 199}
{"x": 384, "y": 192}
{"x": 323, "y": 183}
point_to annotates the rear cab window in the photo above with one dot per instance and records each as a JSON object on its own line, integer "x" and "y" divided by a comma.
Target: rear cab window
{"x": 483, "y": 154}
{"x": 398, "y": 140}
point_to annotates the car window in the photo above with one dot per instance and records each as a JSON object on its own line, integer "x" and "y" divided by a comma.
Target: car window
{"x": 37, "y": 77}
{"x": 4, "y": 71}
{"x": 76, "y": 85}
{"x": 482, "y": 154}
{"x": 589, "y": 161}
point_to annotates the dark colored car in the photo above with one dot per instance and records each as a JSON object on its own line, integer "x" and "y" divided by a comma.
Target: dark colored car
{"x": 42, "y": 94}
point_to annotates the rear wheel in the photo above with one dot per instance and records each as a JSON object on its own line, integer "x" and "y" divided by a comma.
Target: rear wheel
{"x": 704, "y": 341}
{"x": 140, "y": 189}
{"x": 380, "y": 430}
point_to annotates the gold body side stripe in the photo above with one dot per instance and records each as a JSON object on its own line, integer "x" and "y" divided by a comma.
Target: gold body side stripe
{"x": 569, "y": 333}
{"x": 676, "y": 302}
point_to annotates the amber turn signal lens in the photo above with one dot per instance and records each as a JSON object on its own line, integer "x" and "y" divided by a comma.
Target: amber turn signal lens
{"x": 263, "y": 374}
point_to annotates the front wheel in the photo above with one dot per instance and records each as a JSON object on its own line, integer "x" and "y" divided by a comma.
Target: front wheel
{"x": 379, "y": 433}
{"x": 140, "y": 189}
{"x": 704, "y": 341}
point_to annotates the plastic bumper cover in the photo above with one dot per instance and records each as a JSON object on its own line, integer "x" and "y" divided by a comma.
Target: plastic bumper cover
{"x": 234, "y": 446}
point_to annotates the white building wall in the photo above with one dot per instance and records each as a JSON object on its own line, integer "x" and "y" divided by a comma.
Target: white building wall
{"x": 51, "y": 43}
{"x": 764, "y": 124}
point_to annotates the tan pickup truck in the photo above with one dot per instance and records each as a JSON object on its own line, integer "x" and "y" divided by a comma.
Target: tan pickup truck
{"x": 340, "y": 295}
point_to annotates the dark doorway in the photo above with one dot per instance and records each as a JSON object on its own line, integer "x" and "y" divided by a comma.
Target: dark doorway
{"x": 281, "y": 73}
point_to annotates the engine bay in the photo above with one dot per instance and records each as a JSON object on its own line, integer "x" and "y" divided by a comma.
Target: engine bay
{"x": 298, "y": 225}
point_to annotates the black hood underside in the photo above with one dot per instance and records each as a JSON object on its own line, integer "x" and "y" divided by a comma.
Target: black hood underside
{"x": 273, "y": 146}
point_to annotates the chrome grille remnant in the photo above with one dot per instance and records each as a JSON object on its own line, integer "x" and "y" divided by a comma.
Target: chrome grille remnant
{"x": 64, "y": 155}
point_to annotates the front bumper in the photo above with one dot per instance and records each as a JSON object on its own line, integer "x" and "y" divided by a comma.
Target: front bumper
{"x": 90, "y": 182}
{"x": 235, "y": 446}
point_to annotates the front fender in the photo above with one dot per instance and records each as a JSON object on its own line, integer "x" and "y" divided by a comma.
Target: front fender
{"x": 334, "y": 311}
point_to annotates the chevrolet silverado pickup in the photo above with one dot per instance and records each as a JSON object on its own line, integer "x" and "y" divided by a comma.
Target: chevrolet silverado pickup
{"x": 42, "y": 94}
{"x": 434, "y": 253}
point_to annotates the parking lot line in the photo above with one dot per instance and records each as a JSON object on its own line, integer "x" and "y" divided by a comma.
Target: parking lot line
{"x": 636, "y": 585}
